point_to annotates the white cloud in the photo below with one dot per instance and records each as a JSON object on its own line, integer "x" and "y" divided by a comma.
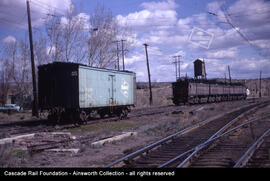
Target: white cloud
{"x": 163, "y": 5}
{"x": 154, "y": 14}
{"x": 180, "y": 52}
{"x": 9, "y": 39}
{"x": 222, "y": 53}
{"x": 251, "y": 18}
{"x": 136, "y": 57}
{"x": 250, "y": 68}
{"x": 79, "y": 18}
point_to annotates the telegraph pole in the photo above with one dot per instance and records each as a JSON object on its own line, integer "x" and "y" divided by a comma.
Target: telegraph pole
{"x": 35, "y": 102}
{"x": 123, "y": 55}
{"x": 118, "y": 66}
{"x": 149, "y": 76}
{"x": 179, "y": 62}
{"x": 175, "y": 62}
{"x": 230, "y": 78}
{"x": 260, "y": 93}
{"x": 177, "y": 65}
{"x": 117, "y": 53}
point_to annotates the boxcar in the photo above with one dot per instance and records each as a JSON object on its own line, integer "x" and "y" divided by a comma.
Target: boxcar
{"x": 74, "y": 91}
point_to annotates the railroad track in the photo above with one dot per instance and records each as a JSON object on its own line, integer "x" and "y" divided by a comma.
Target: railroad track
{"x": 227, "y": 149}
{"x": 258, "y": 154}
{"x": 42, "y": 125}
{"x": 182, "y": 146}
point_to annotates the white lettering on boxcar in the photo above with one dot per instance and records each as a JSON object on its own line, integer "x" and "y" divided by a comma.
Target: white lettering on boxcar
{"x": 124, "y": 88}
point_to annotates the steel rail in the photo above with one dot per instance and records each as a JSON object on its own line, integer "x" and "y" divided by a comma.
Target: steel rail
{"x": 203, "y": 145}
{"x": 247, "y": 155}
{"x": 196, "y": 148}
{"x": 155, "y": 144}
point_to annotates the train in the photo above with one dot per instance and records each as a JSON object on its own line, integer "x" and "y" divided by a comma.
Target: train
{"x": 72, "y": 91}
{"x": 201, "y": 90}
{"x": 195, "y": 91}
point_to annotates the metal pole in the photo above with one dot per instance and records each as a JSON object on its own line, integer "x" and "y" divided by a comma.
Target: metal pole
{"x": 149, "y": 76}
{"x": 35, "y": 101}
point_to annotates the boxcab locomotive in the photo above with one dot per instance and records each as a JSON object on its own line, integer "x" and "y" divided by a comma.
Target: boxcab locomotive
{"x": 74, "y": 92}
{"x": 201, "y": 90}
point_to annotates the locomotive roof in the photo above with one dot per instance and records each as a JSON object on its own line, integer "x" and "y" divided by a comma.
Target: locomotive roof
{"x": 207, "y": 81}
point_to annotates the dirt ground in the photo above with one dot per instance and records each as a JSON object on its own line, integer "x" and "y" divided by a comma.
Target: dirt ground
{"x": 149, "y": 128}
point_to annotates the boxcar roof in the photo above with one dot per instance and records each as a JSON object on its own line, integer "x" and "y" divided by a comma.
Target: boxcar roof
{"x": 79, "y": 64}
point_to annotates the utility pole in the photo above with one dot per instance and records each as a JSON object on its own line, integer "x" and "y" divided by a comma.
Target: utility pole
{"x": 260, "y": 93}
{"x": 149, "y": 76}
{"x": 123, "y": 55}
{"x": 35, "y": 101}
{"x": 230, "y": 78}
{"x": 177, "y": 63}
{"x": 117, "y": 65}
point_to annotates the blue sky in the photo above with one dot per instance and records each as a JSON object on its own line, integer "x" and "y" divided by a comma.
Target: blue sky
{"x": 236, "y": 34}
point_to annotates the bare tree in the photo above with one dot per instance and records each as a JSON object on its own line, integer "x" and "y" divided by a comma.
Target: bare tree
{"x": 74, "y": 35}
{"x": 4, "y": 81}
{"x": 77, "y": 37}
{"x": 15, "y": 71}
{"x": 54, "y": 34}
{"x": 66, "y": 37}
{"x": 41, "y": 49}
{"x": 7, "y": 68}
{"x": 104, "y": 31}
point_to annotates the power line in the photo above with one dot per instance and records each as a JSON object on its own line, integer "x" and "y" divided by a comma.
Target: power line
{"x": 236, "y": 29}
{"x": 16, "y": 22}
{"x": 250, "y": 9}
{"x": 228, "y": 21}
{"x": 48, "y": 7}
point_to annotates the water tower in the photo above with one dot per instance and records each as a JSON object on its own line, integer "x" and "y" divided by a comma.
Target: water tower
{"x": 199, "y": 69}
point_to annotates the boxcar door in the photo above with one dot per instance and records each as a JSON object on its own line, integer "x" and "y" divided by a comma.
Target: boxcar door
{"x": 111, "y": 80}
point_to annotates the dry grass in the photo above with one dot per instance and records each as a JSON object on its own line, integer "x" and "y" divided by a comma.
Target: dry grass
{"x": 161, "y": 96}
{"x": 5, "y": 117}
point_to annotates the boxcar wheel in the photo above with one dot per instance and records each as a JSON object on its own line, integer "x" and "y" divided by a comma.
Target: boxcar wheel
{"x": 83, "y": 117}
{"x": 123, "y": 114}
{"x": 101, "y": 114}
